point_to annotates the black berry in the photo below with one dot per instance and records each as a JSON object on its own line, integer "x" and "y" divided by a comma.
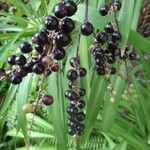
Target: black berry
{"x": 71, "y": 95}
{"x": 87, "y": 28}
{"x": 72, "y": 75}
{"x": 25, "y": 47}
{"x": 102, "y": 37}
{"x": 59, "y": 53}
{"x": 132, "y": 56}
{"x": 38, "y": 68}
{"x": 20, "y": 60}
{"x": 104, "y": 10}
{"x": 68, "y": 25}
{"x": 16, "y": 79}
{"x": 116, "y": 36}
{"x": 82, "y": 72}
{"x": 51, "y": 22}
{"x": 11, "y": 60}
{"x": 109, "y": 28}
{"x": 71, "y": 8}
{"x": 63, "y": 39}
{"x": 60, "y": 10}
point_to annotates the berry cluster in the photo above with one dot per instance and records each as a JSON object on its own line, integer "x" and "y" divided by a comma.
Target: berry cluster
{"x": 48, "y": 43}
{"x": 74, "y": 95}
{"x": 105, "y": 49}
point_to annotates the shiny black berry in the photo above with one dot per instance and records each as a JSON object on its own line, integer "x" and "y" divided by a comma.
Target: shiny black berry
{"x": 81, "y": 104}
{"x": 51, "y": 23}
{"x": 116, "y": 36}
{"x": 16, "y": 79}
{"x": 72, "y": 123}
{"x": 82, "y": 72}
{"x": 74, "y": 61}
{"x": 102, "y": 37}
{"x": 11, "y": 59}
{"x": 20, "y": 60}
{"x": 39, "y": 48}
{"x": 112, "y": 45}
{"x": 71, "y": 131}
{"x": 40, "y": 38}
{"x": 71, "y": 95}
{"x": 38, "y": 68}
{"x": 81, "y": 116}
{"x": 71, "y": 7}
{"x": 22, "y": 72}
{"x": 87, "y": 28}
{"x": 80, "y": 127}
{"x": 132, "y": 56}
{"x": 28, "y": 67}
{"x": 60, "y": 10}
{"x": 82, "y": 91}
{"x": 25, "y": 47}
{"x": 47, "y": 99}
{"x": 72, "y": 75}
{"x": 59, "y": 53}
{"x": 109, "y": 28}
{"x": 104, "y": 10}
{"x": 72, "y": 110}
{"x": 63, "y": 39}
{"x": 111, "y": 59}
{"x": 68, "y": 25}
{"x": 99, "y": 54}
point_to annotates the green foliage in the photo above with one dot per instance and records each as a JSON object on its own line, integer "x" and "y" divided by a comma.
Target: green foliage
{"x": 122, "y": 123}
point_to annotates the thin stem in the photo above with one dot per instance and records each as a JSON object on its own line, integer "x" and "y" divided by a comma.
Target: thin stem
{"x": 37, "y": 103}
{"x": 86, "y": 10}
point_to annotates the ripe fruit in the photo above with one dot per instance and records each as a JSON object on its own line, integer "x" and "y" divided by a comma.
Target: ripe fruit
{"x": 112, "y": 45}
{"x": 71, "y": 8}
{"x": 39, "y": 48}
{"x": 25, "y": 47}
{"x": 87, "y": 28}
{"x": 20, "y": 60}
{"x": 62, "y": 39}
{"x": 47, "y": 72}
{"x": 81, "y": 104}
{"x": 109, "y": 28}
{"x": 51, "y": 22}
{"x": 72, "y": 75}
{"x": 60, "y": 10}
{"x": 82, "y": 91}
{"x": 102, "y": 37}
{"x": 74, "y": 61}
{"x": 68, "y": 25}
{"x": 15, "y": 79}
{"x": 71, "y": 95}
{"x": 82, "y": 72}
{"x": 59, "y": 53}
{"x": 40, "y": 38}
{"x": 11, "y": 59}
{"x": 132, "y": 56}
{"x": 116, "y": 36}
{"x": 21, "y": 72}
{"x": 47, "y": 99}
{"x": 99, "y": 54}
{"x": 104, "y": 10}
{"x": 71, "y": 85}
{"x": 71, "y": 131}
{"x": 81, "y": 116}
{"x": 111, "y": 59}
{"x": 38, "y": 68}
{"x": 72, "y": 110}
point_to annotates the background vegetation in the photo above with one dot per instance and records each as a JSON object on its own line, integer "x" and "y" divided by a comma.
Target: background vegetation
{"x": 118, "y": 121}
